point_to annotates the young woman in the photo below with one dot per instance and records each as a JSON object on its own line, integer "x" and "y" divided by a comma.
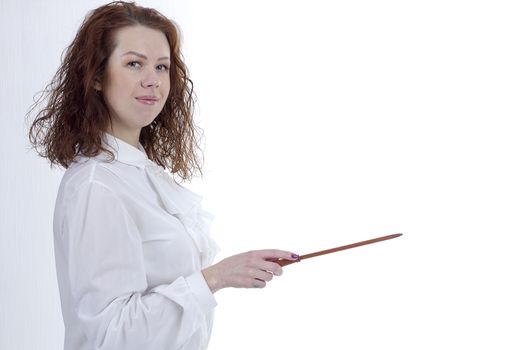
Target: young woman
{"x": 133, "y": 252}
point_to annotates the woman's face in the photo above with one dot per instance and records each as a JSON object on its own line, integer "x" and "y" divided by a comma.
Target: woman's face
{"x": 136, "y": 83}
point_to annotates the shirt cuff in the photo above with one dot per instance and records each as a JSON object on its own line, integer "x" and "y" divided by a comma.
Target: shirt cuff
{"x": 201, "y": 291}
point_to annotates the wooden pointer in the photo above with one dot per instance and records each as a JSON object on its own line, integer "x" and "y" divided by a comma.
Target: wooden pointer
{"x": 284, "y": 262}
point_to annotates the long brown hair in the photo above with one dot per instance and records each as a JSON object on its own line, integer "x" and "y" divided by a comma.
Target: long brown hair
{"x": 75, "y": 116}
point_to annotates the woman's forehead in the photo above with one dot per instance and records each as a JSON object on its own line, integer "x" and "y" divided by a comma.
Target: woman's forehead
{"x": 145, "y": 41}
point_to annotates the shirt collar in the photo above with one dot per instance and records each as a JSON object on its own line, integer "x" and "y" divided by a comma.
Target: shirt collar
{"x": 126, "y": 153}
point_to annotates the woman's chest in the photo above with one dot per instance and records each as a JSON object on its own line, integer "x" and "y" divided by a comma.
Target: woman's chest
{"x": 169, "y": 249}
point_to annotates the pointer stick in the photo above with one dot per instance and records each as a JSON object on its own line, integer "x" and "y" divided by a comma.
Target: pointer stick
{"x": 284, "y": 262}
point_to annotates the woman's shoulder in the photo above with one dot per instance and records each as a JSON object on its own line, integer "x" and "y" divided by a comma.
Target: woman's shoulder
{"x": 85, "y": 171}
{"x": 85, "y": 180}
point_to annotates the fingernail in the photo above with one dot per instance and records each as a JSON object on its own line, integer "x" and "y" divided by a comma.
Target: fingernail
{"x": 295, "y": 256}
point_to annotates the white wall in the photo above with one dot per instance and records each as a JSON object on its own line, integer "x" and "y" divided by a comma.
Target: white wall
{"x": 325, "y": 124}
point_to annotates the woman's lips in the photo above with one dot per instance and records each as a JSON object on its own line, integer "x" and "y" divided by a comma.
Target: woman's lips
{"x": 147, "y": 100}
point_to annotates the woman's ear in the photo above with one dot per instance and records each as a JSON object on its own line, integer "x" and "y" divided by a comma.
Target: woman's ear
{"x": 97, "y": 85}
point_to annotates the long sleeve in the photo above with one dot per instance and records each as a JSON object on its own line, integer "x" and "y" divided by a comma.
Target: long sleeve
{"x": 105, "y": 270}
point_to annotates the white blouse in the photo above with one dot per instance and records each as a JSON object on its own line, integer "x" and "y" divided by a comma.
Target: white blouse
{"x": 130, "y": 244}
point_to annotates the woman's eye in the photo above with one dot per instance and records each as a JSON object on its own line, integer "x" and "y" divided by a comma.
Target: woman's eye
{"x": 137, "y": 64}
{"x": 134, "y": 64}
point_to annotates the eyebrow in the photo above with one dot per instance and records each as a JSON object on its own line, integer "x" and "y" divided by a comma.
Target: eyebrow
{"x": 143, "y": 56}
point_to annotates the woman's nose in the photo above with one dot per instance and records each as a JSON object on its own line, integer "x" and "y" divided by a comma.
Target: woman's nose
{"x": 150, "y": 79}
{"x": 150, "y": 82}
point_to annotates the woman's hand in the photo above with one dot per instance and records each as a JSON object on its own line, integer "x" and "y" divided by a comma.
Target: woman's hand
{"x": 246, "y": 270}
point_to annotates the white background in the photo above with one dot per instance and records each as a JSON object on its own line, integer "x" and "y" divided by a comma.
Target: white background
{"x": 326, "y": 122}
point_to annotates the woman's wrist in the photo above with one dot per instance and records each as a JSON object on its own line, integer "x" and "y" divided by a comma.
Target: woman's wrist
{"x": 211, "y": 279}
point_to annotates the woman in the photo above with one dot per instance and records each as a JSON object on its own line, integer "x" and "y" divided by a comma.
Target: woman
{"x": 133, "y": 253}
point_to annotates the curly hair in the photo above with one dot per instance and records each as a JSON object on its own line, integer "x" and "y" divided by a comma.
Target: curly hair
{"x": 75, "y": 116}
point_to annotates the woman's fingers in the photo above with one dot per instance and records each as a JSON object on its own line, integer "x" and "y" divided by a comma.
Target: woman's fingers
{"x": 267, "y": 259}
{"x": 276, "y": 254}
{"x": 257, "y": 283}
{"x": 263, "y": 275}
{"x": 272, "y": 267}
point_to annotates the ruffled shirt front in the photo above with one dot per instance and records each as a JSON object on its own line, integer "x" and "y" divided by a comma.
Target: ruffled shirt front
{"x": 130, "y": 244}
